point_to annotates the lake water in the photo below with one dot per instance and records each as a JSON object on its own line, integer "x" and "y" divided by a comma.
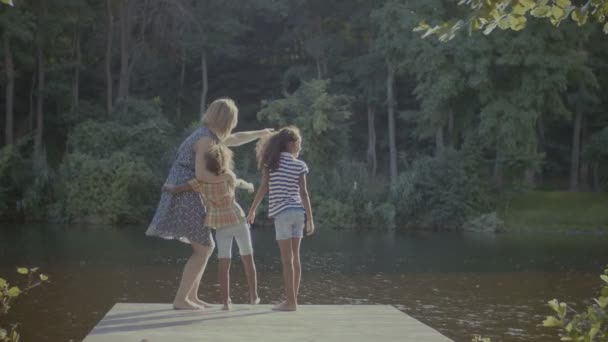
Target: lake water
{"x": 459, "y": 284}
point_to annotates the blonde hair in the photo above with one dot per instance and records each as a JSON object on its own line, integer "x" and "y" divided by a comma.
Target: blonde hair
{"x": 221, "y": 117}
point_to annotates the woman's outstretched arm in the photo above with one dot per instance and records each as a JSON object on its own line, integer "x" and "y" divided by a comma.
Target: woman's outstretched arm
{"x": 241, "y": 138}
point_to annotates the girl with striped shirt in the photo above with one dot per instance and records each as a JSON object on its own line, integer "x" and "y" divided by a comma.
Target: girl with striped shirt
{"x": 284, "y": 177}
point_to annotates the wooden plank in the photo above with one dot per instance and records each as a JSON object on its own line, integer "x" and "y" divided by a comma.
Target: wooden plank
{"x": 159, "y": 322}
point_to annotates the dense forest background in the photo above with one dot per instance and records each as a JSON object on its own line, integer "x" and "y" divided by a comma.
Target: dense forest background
{"x": 398, "y": 131}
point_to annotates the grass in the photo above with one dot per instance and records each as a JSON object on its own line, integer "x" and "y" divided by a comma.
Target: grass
{"x": 555, "y": 210}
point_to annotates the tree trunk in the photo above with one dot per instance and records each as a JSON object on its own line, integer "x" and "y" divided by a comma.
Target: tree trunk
{"x": 439, "y": 144}
{"x": 540, "y": 132}
{"x": 585, "y": 184}
{"x": 10, "y": 91}
{"x": 576, "y": 151}
{"x": 205, "y": 82}
{"x": 529, "y": 176}
{"x": 596, "y": 176}
{"x": 77, "y": 66}
{"x": 41, "y": 82}
{"x": 123, "y": 83}
{"x": 498, "y": 174}
{"x": 451, "y": 133}
{"x": 319, "y": 71}
{"x": 180, "y": 90}
{"x": 32, "y": 110}
{"x": 391, "y": 102}
{"x": 372, "y": 162}
{"x": 108, "y": 61}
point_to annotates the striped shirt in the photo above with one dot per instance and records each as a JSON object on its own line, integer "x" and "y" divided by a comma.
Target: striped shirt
{"x": 284, "y": 184}
{"x": 222, "y": 208}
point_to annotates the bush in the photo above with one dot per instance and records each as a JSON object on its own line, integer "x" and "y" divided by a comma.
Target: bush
{"x": 25, "y": 182}
{"x": 115, "y": 165}
{"x": 118, "y": 189}
{"x": 437, "y": 192}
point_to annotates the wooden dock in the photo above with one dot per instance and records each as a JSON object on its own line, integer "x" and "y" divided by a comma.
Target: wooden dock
{"x": 159, "y": 322}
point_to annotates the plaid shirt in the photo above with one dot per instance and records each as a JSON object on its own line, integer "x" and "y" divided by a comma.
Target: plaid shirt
{"x": 218, "y": 198}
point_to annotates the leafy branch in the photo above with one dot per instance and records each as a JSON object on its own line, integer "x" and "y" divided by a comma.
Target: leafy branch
{"x": 487, "y": 15}
{"x": 8, "y": 294}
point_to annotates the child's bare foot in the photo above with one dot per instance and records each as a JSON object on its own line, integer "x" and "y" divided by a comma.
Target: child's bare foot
{"x": 185, "y": 305}
{"x": 227, "y": 305}
{"x": 255, "y": 301}
{"x": 285, "y": 307}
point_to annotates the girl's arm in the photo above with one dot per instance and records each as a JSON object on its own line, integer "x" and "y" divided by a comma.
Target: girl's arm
{"x": 241, "y": 138}
{"x": 259, "y": 196}
{"x": 310, "y": 224}
{"x": 242, "y": 184}
{"x": 192, "y": 185}
{"x": 172, "y": 188}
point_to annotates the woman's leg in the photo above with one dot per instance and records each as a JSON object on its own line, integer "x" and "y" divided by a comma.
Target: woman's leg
{"x": 297, "y": 267}
{"x": 195, "y": 266}
{"x": 288, "y": 276}
{"x": 193, "y": 295}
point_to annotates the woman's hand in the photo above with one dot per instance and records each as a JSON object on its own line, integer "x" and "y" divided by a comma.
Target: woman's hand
{"x": 266, "y": 131}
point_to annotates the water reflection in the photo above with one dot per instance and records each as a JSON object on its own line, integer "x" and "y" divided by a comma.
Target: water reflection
{"x": 460, "y": 284}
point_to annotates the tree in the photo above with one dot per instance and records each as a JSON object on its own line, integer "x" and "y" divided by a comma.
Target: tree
{"x": 391, "y": 42}
{"x": 321, "y": 117}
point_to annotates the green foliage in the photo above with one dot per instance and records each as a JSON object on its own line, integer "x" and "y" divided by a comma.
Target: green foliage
{"x": 25, "y": 183}
{"x": 582, "y": 326}
{"x": 487, "y": 15}
{"x": 116, "y": 165}
{"x": 554, "y": 210}
{"x": 344, "y": 197}
{"x": 435, "y": 193}
{"x": 8, "y": 294}
{"x": 117, "y": 189}
{"x": 320, "y": 116}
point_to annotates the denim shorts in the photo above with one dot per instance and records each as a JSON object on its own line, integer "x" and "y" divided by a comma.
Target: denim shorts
{"x": 289, "y": 223}
{"x": 238, "y": 232}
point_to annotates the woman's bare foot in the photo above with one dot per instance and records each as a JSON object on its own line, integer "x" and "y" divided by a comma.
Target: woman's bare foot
{"x": 200, "y": 302}
{"x": 285, "y": 307}
{"x": 227, "y": 304}
{"x": 185, "y": 305}
{"x": 255, "y": 301}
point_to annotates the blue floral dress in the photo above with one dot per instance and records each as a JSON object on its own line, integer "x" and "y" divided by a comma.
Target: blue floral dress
{"x": 182, "y": 215}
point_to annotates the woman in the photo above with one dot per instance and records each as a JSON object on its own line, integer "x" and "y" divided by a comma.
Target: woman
{"x": 181, "y": 216}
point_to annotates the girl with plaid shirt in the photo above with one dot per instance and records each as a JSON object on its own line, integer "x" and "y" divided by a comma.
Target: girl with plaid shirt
{"x": 226, "y": 216}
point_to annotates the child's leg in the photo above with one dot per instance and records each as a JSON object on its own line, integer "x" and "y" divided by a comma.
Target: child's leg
{"x": 224, "y": 238}
{"x": 224, "y": 281}
{"x": 288, "y": 276}
{"x": 297, "y": 268}
{"x": 243, "y": 240}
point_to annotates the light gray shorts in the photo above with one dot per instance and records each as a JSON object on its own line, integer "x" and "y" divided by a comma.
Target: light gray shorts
{"x": 289, "y": 223}
{"x": 239, "y": 232}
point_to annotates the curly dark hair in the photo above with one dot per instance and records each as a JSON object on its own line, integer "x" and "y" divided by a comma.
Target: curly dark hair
{"x": 268, "y": 149}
